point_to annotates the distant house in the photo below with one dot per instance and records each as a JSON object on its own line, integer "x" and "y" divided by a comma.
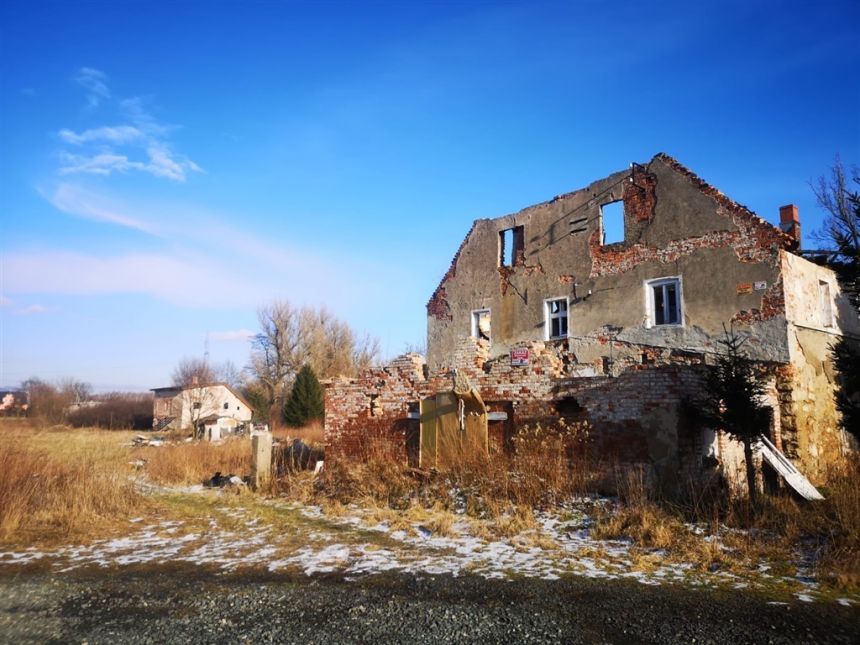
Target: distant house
{"x": 181, "y": 408}
{"x": 13, "y": 402}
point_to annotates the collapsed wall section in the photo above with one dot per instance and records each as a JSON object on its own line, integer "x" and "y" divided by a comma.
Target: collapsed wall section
{"x": 376, "y": 403}
{"x": 636, "y": 417}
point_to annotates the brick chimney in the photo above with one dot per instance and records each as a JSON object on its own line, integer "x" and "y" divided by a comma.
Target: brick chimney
{"x": 789, "y": 222}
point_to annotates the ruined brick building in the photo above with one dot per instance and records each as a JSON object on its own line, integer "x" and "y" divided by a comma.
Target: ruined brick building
{"x": 550, "y": 319}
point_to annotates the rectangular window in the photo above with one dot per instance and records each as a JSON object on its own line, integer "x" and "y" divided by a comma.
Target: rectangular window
{"x": 196, "y": 405}
{"x": 825, "y": 304}
{"x": 555, "y": 318}
{"x": 226, "y": 406}
{"x": 511, "y": 247}
{"x": 664, "y": 301}
{"x": 612, "y": 222}
{"x": 481, "y": 324}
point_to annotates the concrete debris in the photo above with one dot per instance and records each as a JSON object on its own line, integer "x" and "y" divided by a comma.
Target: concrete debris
{"x": 143, "y": 440}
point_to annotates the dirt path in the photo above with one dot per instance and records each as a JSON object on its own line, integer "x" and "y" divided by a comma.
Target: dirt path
{"x": 190, "y": 604}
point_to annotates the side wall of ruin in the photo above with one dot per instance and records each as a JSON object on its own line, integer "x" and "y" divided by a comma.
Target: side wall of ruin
{"x": 818, "y": 315}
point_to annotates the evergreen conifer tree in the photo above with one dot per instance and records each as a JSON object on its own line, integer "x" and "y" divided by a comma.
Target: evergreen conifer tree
{"x": 305, "y": 402}
{"x": 733, "y": 402}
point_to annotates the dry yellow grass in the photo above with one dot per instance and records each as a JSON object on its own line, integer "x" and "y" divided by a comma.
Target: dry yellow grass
{"x": 57, "y": 483}
{"x": 313, "y": 433}
{"x": 195, "y": 462}
{"x": 497, "y": 489}
{"x": 647, "y": 525}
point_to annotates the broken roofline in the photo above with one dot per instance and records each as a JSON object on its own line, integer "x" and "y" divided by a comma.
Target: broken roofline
{"x": 787, "y": 242}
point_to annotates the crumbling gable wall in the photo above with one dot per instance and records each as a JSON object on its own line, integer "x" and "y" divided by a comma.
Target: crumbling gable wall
{"x": 675, "y": 225}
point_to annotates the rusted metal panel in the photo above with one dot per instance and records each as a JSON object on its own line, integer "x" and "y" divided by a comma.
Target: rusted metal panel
{"x": 452, "y": 424}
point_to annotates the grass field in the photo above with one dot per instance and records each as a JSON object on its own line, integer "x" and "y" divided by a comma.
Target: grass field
{"x": 61, "y": 486}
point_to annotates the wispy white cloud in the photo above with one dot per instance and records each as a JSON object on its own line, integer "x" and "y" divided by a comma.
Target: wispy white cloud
{"x": 164, "y": 163}
{"x": 117, "y": 134}
{"x": 135, "y": 110}
{"x": 5, "y": 302}
{"x": 94, "y": 82}
{"x": 161, "y": 163}
{"x": 32, "y": 310}
{"x": 104, "y": 163}
{"x": 74, "y": 200}
{"x": 192, "y": 282}
{"x": 232, "y": 336}
{"x": 201, "y": 259}
{"x": 140, "y": 145}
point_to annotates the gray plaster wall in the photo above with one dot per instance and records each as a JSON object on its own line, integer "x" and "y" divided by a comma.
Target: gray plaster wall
{"x": 687, "y": 233}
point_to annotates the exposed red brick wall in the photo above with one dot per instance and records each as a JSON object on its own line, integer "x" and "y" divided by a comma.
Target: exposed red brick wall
{"x": 640, "y": 195}
{"x": 437, "y": 306}
{"x": 614, "y": 406}
{"x": 772, "y": 304}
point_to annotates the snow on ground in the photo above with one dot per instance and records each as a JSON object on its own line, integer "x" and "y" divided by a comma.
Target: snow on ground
{"x": 356, "y": 545}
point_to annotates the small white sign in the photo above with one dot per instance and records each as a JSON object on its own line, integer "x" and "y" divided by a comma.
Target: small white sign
{"x": 520, "y": 356}
{"x": 760, "y": 286}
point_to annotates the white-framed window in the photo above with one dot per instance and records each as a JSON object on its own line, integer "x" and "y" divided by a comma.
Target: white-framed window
{"x": 664, "y": 302}
{"x": 825, "y": 304}
{"x": 481, "y": 324}
{"x": 555, "y": 318}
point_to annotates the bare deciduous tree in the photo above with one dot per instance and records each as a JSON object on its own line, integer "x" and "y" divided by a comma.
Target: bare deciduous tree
{"x": 228, "y": 373}
{"x": 193, "y": 375}
{"x": 50, "y": 402}
{"x": 75, "y": 391}
{"x": 841, "y": 226}
{"x": 193, "y": 371}
{"x": 273, "y": 350}
{"x": 290, "y": 338}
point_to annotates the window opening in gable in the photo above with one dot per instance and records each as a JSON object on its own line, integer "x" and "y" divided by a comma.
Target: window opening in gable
{"x": 511, "y": 247}
{"x": 612, "y": 222}
{"x": 226, "y": 405}
{"x": 555, "y": 317}
{"x": 665, "y": 301}
{"x": 481, "y": 324}
{"x": 825, "y": 306}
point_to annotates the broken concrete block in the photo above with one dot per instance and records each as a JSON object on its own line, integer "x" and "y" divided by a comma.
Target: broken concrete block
{"x": 261, "y": 459}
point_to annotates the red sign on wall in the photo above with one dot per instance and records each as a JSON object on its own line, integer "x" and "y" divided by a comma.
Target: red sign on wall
{"x": 520, "y": 356}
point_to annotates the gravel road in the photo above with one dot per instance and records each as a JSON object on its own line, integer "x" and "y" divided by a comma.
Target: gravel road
{"x": 190, "y": 605}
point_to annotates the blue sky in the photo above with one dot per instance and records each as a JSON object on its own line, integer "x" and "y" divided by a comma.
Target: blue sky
{"x": 169, "y": 167}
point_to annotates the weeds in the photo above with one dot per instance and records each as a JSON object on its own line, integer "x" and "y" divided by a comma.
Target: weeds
{"x": 501, "y": 489}
{"x": 59, "y": 484}
{"x": 195, "y": 462}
